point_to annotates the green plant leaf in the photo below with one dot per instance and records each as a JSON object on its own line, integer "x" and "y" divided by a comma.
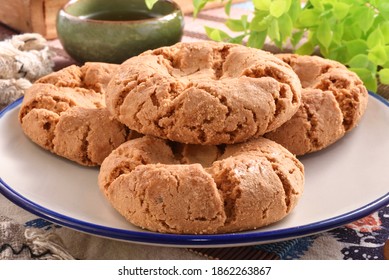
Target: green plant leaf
{"x": 244, "y": 20}
{"x": 289, "y": 3}
{"x": 336, "y": 52}
{"x": 355, "y": 47}
{"x": 257, "y": 39}
{"x": 278, "y": 8}
{"x": 150, "y": 3}
{"x": 324, "y": 34}
{"x": 340, "y": 10}
{"x": 274, "y": 31}
{"x": 386, "y": 65}
{"x": 198, "y": 5}
{"x": 384, "y": 28}
{"x": 296, "y": 37}
{"x": 353, "y": 2}
{"x": 383, "y": 7}
{"x": 317, "y": 4}
{"x": 306, "y": 49}
{"x": 383, "y": 74}
{"x": 362, "y": 61}
{"x": 237, "y": 39}
{"x": 295, "y": 10}
{"x": 378, "y": 55}
{"x": 359, "y": 61}
{"x": 375, "y": 38}
{"x": 237, "y": 24}
{"x": 260, "y": 23}
{"x": 338, "y": 31}
{"x": 227, "y": 7}
{"x": 285, "y": 25}
{"x": 263, "y": 5}
{"x": 367, "y": 77}
{"x": 352, "y": 31}
{"x": 308, "y": 18}
{"x": 217, "y": 34}
{"x": 365, "y": 17}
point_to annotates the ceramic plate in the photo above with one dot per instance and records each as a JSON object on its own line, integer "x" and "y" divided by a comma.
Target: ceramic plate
{"x": 344, "y": 182}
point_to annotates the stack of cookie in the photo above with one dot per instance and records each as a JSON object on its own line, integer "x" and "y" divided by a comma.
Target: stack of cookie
{"x": 179, "y": 131}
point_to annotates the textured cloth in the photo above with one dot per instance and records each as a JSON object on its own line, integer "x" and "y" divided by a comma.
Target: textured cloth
{"x": 23, "y": 59}
{"x": 18, "y": 242}
{"x": 22, "y": 237}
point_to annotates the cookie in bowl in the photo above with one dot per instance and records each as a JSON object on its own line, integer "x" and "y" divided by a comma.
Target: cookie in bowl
{"x": 204, "y": 93}
{"x": 169, "y": 187}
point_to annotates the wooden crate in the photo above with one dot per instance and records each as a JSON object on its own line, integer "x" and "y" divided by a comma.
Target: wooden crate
{"x": 39, "y": 15}
{"x": 31, "y": 15}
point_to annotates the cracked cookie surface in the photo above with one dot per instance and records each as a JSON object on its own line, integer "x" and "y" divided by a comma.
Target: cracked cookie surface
{"x": 333, "y": 101}
{"x": 65, "y": 113}
{"x": 171, "y": 187}
{"x": 204, "y": 93}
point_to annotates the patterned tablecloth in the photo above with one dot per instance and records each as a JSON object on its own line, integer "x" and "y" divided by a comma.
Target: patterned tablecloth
{"x": 26, "y": 236}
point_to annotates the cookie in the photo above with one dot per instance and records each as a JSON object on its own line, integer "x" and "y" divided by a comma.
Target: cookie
{"x": 204, "y": 93}
{"x": 333, "y": 101}
{"x": 65, "y": 113}
{"x": 178, "y": 188}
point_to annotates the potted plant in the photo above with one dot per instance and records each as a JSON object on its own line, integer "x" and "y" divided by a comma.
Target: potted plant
{"x": 353, "y": 32}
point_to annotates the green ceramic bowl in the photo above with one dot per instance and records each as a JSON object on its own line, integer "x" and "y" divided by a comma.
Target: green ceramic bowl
{"x": 115, "y": 30}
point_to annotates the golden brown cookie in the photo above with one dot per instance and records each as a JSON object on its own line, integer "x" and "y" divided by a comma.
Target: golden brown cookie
{"x": 333, "y": 102}
{"x": 193, "y": 189}
{"x": 65, "y": 113}
{"x": 204, "y": 93}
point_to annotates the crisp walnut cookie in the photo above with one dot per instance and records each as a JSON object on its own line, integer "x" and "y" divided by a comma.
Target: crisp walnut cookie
{"x": 204, "y": 93}
{"x": 65, "y": 113}
{"x": 333, "y": 102}
{"x": 194, "y": 189}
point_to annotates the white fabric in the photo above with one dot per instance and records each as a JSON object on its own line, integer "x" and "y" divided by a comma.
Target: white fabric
{"x": 23, "y": 59}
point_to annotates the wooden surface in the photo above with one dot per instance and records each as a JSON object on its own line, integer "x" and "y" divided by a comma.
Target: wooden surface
{"x": 16, "y": 13}
{"x": 31, "y": 15}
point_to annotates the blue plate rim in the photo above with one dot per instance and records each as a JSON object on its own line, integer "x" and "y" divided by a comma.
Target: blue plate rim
{"x": 152, "y": 238}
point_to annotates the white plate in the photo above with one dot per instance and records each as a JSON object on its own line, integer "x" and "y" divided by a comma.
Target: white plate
{"x": 344, "y": 182}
